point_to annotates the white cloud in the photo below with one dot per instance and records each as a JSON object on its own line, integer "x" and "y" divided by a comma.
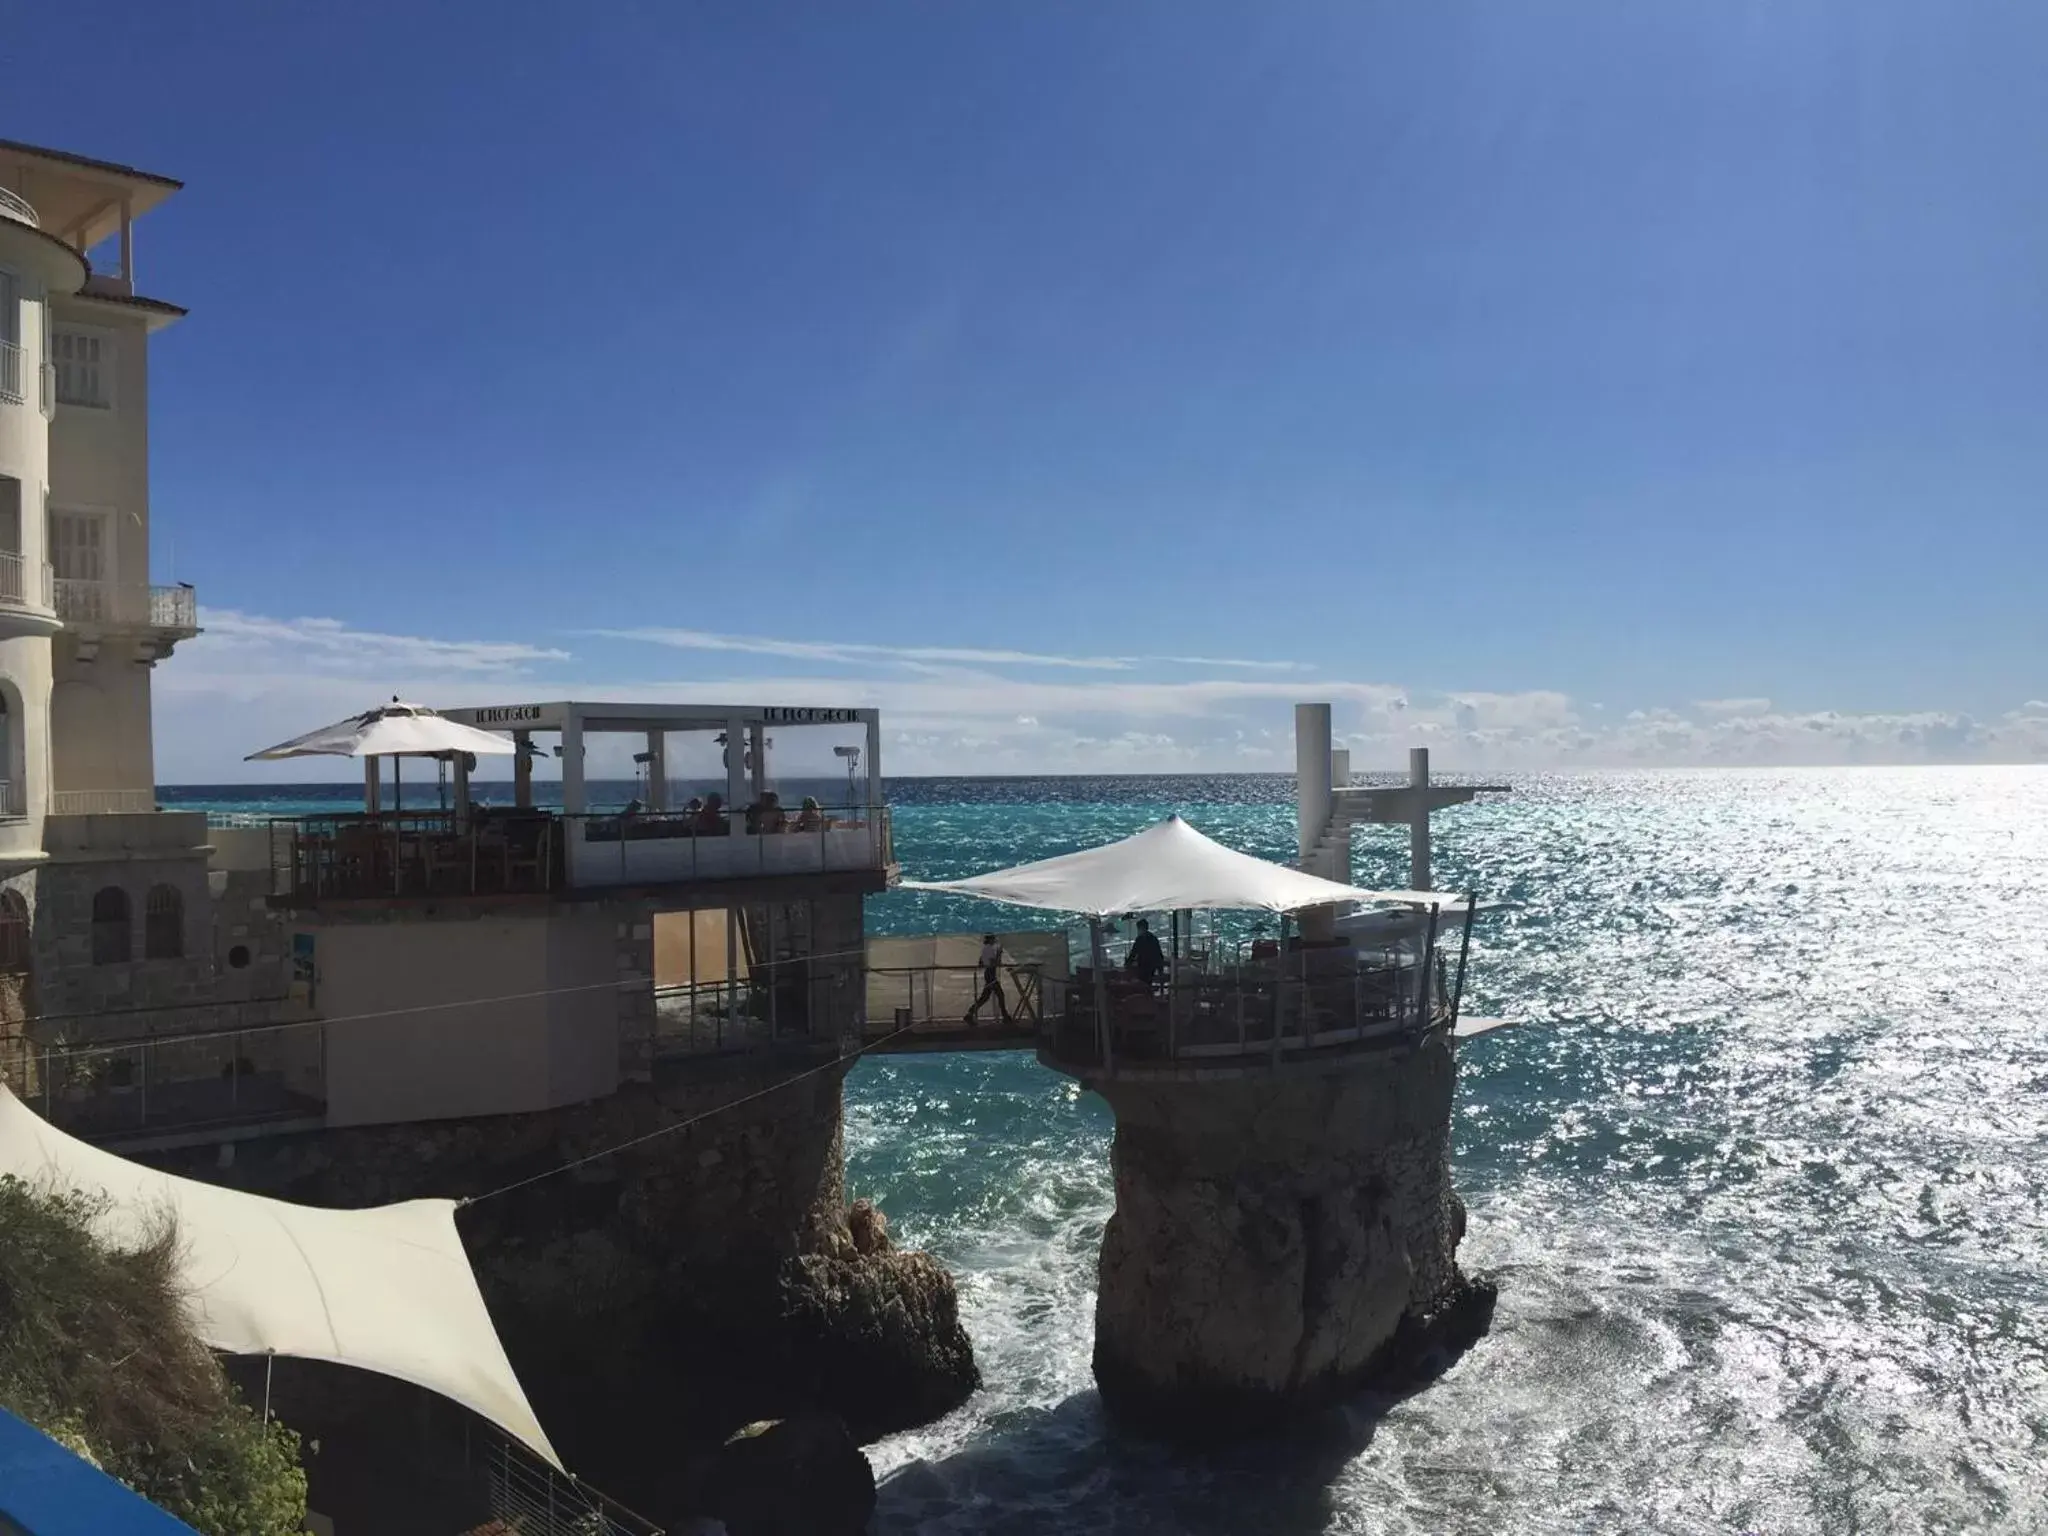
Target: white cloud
{"x": 918, "y": 657}
{"x": 330, "y": 642}
{"x": 1733, "y": 706}
{"x": 251, "y": 680}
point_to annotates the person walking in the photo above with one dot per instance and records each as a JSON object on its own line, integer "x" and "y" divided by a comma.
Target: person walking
{"x": 991, "y": 980}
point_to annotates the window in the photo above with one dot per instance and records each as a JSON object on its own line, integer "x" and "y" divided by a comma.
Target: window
{"x": 13, "y": 933}
{"x": 163, "y": 924}
{"x": 112, "y": 943}
{"x": 85, "y": 369}
{"x": 79, "y": 559}
{"x": 10, "y": 516}
{"x": 10, "y": 337}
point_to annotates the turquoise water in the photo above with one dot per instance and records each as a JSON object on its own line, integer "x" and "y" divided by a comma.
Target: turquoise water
{"x": 1764, "y": 1180}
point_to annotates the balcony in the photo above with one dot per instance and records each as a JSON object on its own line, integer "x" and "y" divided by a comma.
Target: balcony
{"x": 13, "y": 368}
{"x": 23, "y": 585}
{"x": 517, "y": 852}
{"x": 159, "y": 616}
{"x": 128, "y": 605}
{"x": 16, "y": 207}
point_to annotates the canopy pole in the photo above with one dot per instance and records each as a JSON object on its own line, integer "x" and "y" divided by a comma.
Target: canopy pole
{"x": 373, "y": 786}
{"x": 1280, "y": 987}
{"x": 1099, "y": 957}
{"x": 397, "y": 782}
{"x": 1464, "y": 952}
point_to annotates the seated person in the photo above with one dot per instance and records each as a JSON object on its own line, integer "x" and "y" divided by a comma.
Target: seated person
{"x": 1146, "y": 961}
{"x": 711, "y": 817}
{"x": 810, "y": 818}
{"x": 773, "y": 817}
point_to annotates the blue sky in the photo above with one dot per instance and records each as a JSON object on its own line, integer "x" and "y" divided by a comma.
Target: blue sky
{"x": 1570, "y": 382}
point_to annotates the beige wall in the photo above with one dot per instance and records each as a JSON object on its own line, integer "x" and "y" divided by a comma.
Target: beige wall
{"x": 466, "y": 1058}
{"x": 100, "y": 723}
{"x": 100, "y": 458}
{"x": 100, "y": 728}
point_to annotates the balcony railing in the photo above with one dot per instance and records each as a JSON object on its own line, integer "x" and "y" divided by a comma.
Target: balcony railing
{"x": 12, "y": 365}
{"x": 103, "y": 802}
{"x": 14, "y": 206}
{"x": 174, "y": 1081}
{"x": 13, "y": 804}
{"x": 128, "y": 604}
{"x": 23, "y": 585}
{"x": 500, "y": 851}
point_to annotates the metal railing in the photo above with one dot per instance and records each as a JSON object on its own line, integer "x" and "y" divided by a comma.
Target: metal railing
{"x": 802, "y": 1004}
{"x": 936, "y": 998}
{"x": 102, "y": 802}
{"x": 415, "y": 853}
{"x": 12, "y": 800}
{"x": 505, "y": 851}
{"x": 143, "y": 606}
{"x": 1118, "y": 1020}
{"x": 173, "y": 1081}
{"x": 533, "y": 1499}
{"x": 23, "y": 585}
{"x": 11, "y": 369}
{"x": 14, "y": 206}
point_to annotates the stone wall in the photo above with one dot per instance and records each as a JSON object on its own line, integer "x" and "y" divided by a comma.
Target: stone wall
{"x": 81, "y": 1000}
{"x": 1279, "y": 1239}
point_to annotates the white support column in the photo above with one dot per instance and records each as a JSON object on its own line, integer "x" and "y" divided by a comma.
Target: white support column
{"x": 522, "y": 770}
{"x": 874, "y": 752}
{"x": 572, "y": 766}
{"x": 373, "y": 786}
{"x": 1312, "y": 793}
{"x": 1418, "y": 819}
{"x": 735, "y": 764}
{"x": 657, "y": 770}
{"x": 757, "y": 776}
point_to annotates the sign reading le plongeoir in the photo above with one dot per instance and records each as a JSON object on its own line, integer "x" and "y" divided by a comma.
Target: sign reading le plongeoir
{"x": 782, "y": 715}
{"x": 509, "y": 714}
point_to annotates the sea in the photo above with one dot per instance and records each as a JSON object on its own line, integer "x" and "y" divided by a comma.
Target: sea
{"x": 1762, "y": 1174}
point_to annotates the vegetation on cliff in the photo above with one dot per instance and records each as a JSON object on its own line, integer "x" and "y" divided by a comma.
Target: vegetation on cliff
{"x": 96, "y": 1352}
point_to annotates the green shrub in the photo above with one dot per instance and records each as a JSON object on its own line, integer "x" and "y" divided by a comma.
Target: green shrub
{"x": 95, "y": 1350}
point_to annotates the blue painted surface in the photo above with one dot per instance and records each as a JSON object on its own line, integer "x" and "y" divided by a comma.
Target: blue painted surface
{"x": 46, "y": 1490}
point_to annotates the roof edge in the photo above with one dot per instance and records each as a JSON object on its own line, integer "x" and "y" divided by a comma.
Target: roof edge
{"x": 88, "y": 162}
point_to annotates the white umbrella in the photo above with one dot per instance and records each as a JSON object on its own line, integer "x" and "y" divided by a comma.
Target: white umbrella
{"x": 391, "y": 730}
{"x": 1164, "y": 867}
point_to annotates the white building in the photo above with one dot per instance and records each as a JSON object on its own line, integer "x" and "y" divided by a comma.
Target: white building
{"x": 103, "y": 902}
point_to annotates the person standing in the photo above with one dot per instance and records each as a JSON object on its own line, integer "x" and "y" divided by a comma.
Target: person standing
{"x": 1146, "y": 961}
{"x": 991, "y": 980}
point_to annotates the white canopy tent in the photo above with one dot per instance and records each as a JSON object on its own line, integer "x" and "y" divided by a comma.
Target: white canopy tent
{"x": 395, "y": 730}
{"x": 386, "y": 1289}
{"x": 1167, "y": 867}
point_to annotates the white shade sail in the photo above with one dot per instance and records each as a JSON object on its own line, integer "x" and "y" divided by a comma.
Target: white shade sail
{"x": 1161, "y": 869}
{"x": 386, "y": 1289}
{"x": 392, "y": 729}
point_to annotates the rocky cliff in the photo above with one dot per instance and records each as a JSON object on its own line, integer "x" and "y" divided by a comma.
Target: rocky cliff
{"x": 1280, "y": 1239}
{"x": 655, "y": 1300}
